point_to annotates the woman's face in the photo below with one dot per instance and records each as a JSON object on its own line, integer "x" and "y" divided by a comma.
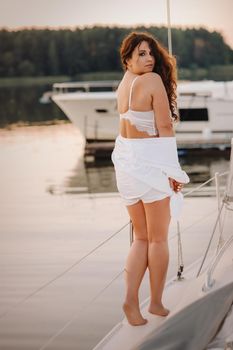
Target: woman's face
{"x": 142, "y": 60}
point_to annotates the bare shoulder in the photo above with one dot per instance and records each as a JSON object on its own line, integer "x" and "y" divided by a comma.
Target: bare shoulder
{"x": 152, "y": 80}
{"x": 150, "y": 76}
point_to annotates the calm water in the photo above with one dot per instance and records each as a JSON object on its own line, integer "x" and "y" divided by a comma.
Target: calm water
{"x": 58, "y": 151}
{"x": 21, "y": 104}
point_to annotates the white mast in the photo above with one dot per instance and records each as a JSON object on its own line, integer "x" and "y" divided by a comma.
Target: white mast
{"x": 169, "y": 28}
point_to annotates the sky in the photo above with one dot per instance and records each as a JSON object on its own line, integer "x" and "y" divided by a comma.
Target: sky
{"x": 211, "y": 14}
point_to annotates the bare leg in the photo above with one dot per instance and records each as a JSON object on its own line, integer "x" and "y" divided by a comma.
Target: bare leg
{"x": 158, "y": 219}
{"x": 136, "y": 265}
{"x": 158, "y": 264}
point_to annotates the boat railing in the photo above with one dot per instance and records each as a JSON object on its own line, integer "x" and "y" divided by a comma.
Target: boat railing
{"x": 195, "y": 93}
{"x": 85, "y": 86}
{"x": 227, "y": 204}
{"x": 209, "y": 280}
{"x": 229, "y": 190}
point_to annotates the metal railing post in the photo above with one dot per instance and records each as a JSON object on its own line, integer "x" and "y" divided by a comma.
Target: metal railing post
{"x": 219, "y": 207}
{"x": 131, "y": 233}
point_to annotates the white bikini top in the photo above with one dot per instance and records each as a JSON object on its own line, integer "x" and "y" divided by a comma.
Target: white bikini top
{"x": 143, "y": 121}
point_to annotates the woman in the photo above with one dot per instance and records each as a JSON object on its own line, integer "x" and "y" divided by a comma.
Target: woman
{"x": 148, "y": 173}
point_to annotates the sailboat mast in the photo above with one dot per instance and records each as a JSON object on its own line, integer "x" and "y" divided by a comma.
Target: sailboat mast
{"x": 169, "y": 28}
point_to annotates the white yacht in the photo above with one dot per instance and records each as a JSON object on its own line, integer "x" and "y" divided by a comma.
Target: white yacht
{"x": 205, "y": 108}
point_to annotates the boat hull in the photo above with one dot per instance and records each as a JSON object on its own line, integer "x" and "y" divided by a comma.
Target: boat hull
{"x": 95, "y": 115}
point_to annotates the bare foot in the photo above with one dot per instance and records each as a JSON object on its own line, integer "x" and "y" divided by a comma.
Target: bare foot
{"x": 158, "y": 309}
{"x": 133, "y": 315}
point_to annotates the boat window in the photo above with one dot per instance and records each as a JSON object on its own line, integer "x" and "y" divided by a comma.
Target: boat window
{"x": 100, "y": 88}
{"x": 101, "y": 110}
{"x": 193, "y": 114}
{"x": 74, "y": 89}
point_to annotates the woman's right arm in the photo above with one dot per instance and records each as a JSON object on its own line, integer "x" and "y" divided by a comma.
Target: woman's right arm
{"x": 161, "y": 106}
{"x": 162, "y": 116}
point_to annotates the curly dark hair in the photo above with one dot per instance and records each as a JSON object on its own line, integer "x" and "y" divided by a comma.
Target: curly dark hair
{"x": 165, "y": 64}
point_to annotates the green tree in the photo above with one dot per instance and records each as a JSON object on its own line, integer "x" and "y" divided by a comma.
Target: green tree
{"x": 41, "y": 52}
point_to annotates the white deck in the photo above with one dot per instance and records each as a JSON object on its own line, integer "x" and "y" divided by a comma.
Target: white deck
{"x": 46, "y": 243}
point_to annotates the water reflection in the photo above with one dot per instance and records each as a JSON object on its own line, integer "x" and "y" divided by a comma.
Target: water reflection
{"x": 100, "y": 177}
{"x": 21, "y": 104}
{"x": 50, "y": 159}
{"x": 200, "y": 168}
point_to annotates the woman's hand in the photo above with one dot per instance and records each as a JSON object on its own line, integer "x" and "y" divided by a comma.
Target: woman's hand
{"x": 175, "y": 185}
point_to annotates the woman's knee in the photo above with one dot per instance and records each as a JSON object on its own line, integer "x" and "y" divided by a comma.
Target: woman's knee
{"x": 158, "y": 240}
{"x": 158, "y": 236}
{"x": 138, "y": 218}
{"x": 140, "y": 234}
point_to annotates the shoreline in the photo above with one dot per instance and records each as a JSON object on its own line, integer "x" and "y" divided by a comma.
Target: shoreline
{"x": 20, "y": 124}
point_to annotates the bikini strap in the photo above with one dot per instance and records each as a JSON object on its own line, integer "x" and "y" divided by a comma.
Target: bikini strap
{"x": 130, "y": 92}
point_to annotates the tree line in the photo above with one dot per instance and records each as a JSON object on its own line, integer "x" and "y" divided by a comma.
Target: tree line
{"x": 47, "y": 52}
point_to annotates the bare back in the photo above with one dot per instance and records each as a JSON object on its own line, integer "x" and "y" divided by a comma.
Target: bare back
{"x": 139, "y": 100}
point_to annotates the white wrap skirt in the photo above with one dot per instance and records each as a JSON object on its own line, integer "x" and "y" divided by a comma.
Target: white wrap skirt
{"x": 142, "y": 168}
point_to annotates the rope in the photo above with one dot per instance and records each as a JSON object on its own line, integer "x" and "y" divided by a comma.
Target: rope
{"x": 179, "y": 243}
{"x": 204, "y": 183}
{"x": 195, "y": 223}
{"x": 221, "y": 239}
{"x": 198, "y": 187}
{"x": 61, "y": 330}
{"x": 211, "y": 238}
{"x": 180, "y": 254}
{"x": 22, "y": 301}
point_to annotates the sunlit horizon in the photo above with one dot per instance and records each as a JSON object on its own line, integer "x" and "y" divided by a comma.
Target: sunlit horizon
{"x": 212, "y": 15}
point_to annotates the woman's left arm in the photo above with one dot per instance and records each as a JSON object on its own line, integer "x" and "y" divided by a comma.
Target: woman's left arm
{"x": 161, "y": 107}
